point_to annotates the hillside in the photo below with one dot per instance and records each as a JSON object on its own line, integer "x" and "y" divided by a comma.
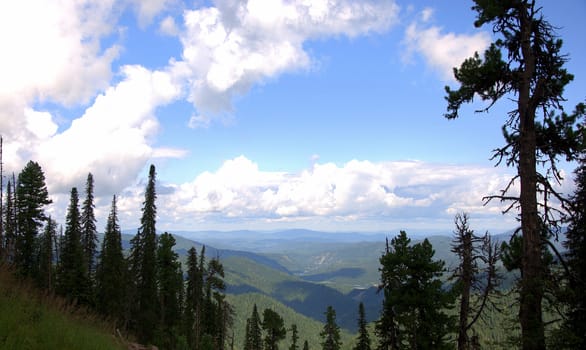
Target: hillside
{"x": 31, "y": 321}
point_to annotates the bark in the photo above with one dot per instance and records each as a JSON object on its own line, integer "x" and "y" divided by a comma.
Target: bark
{"x": 530, "y": 315}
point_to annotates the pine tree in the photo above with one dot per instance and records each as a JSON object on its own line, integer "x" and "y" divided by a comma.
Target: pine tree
{"x": 9, "y": 224}
{"x": 143, "y": 266}
{"x": 363, "y": 341}
{"x": 305, "y": 345}
{"x": 111, "y": 270}
{"x": 472, "y": 250}
{"x": 46, "y": 268}
{"x": 170, "y": 278}
{"x": 331, "y": 332}
{"x": 274, "y": 328}
{"x": 72, "y": 277}
{"x": 193, "y": 292}
{"x": 533, "y": 75}
{"x": 294, "y": 337}
{"x": 253, "y": 336}
{"x": 414, "y": 294}
{"x": 574, "y": 326}
{"x": 89, "y": 233}
{"x": 31, "y": 197}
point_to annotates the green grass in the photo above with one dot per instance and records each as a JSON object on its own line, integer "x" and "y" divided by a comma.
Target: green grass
{"x": 32, "y": 321}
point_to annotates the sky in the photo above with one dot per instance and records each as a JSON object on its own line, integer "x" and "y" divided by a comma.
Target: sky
{"x": 261, "y": 114}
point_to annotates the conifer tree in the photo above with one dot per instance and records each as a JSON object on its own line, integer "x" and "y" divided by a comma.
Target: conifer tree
{"x": 331, "y": 332}
{"x": 414, "y": 294}
{"x": 170, "y": 282}
{"x": 536, "y": 132}
{"x": 274, "y": 328}
{"x": 9, "y": 224}
{"x": 574, "y": 326}
{"x": 46, "y": 268}
{"x": 363, "y": 341}
{"x": 143, "y": 260}
{"x": 31, "y": 198}
{"x": 253, "y": 340}
{"x": 72, "y": 278}
{"x": 471, "y": 251}
{"x": 111, "y": 270}
{"x": 294, "y": 337}
{"x": 89, "y": 233}
{"x": 193, "y": 290}
{"x": 305, "y": 345}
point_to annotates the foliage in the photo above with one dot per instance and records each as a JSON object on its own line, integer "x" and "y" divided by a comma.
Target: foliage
{"x": 253, "y": 335}
{"x": 111, "y": 270}
{"x": 274, "y": 327}
{"x": 89, "y": 233}
{"x": 363, "y": 340}
{"x": 31, "y": 198}
{"x": 72, "y": 278}
{"x": 413, "y": 314}
{"x": 143, "y": 267}
{"x": 170, "y": 282}
{"x": 331, "y": 332}
{"x": 533, "y": 75}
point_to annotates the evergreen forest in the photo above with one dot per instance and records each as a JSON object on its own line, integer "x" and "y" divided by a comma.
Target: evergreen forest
{"x": 524, "y": 292}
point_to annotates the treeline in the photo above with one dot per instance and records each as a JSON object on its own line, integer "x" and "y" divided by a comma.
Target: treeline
{"x": 144, "y": 291}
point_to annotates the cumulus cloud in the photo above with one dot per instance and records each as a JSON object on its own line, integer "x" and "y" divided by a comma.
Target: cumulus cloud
{"x": 111, "y": 139}
{"x": 441, "y": 51}
{"x": 355, "y": 191}
{"x": 231, "y": 46}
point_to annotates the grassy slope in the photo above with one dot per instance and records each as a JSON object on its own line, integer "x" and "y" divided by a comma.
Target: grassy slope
{"x": 29, "y": 321}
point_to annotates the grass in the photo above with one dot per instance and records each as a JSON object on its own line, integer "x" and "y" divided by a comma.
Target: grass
{"x": 31, "y": 320}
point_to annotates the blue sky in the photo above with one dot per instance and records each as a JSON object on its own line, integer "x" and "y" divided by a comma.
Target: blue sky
{"x": 260, "y": 114}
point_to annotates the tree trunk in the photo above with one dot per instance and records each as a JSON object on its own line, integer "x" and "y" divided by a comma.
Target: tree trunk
{"x": 532, "y": 331}
{"x": 466, "y": 286}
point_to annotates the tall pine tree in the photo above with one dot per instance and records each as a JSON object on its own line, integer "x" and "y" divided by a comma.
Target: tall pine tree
{"x": 72, "y": 278}
{"x": 331, "y": 332}
{"x": 143, "y": 260}
{"x": 363, "y": 340}
{"x": 170, "y": 281}
{"x": 111, "y": 270}
{"x": 413, "y": 290}
{"x": 31, "y": 198}
{"x": 46, "y": 256}
{"x": 89, "y": 233}
{"x": 274, "y": 328}
{"x": 253, "y": 340}
{"x": 537, "y": 131}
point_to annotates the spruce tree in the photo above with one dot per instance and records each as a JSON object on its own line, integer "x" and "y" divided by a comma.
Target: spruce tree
{"x": 170, "y": 282}
{"x": 363, "y": 341}
{"x": 274, "y": 328}
{"x": 305, "y": 345}
{"x": 193, "y": 291}
{"x": 294, "y": 337}
{"x": 331, "y": 332}
{"x": 253, "y": 340}
{"x": 31, "y": 198}
{"x": 72, "y": 277}
{"x": 413, "y": 290}
{"x": 537, "y": 131}
{"x": 9, "y": 224}
{"x": 89, "y": 233}
{"x": 574, "y": 326}
{"x": 46, "y": 268}
{"x": 111, "y": 270}
{"x": 143, "y": 258}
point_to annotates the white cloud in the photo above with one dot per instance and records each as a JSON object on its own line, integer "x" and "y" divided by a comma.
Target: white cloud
{"x": 112, "y": 138}
{"x": 355, "y": 192}
{"x": 230, "y": 47}
{"x": 168, "y": 26}
{"x": 51, "y": 49}
{"x": 442, "y": 52}
{"x": 148, "y": 9}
